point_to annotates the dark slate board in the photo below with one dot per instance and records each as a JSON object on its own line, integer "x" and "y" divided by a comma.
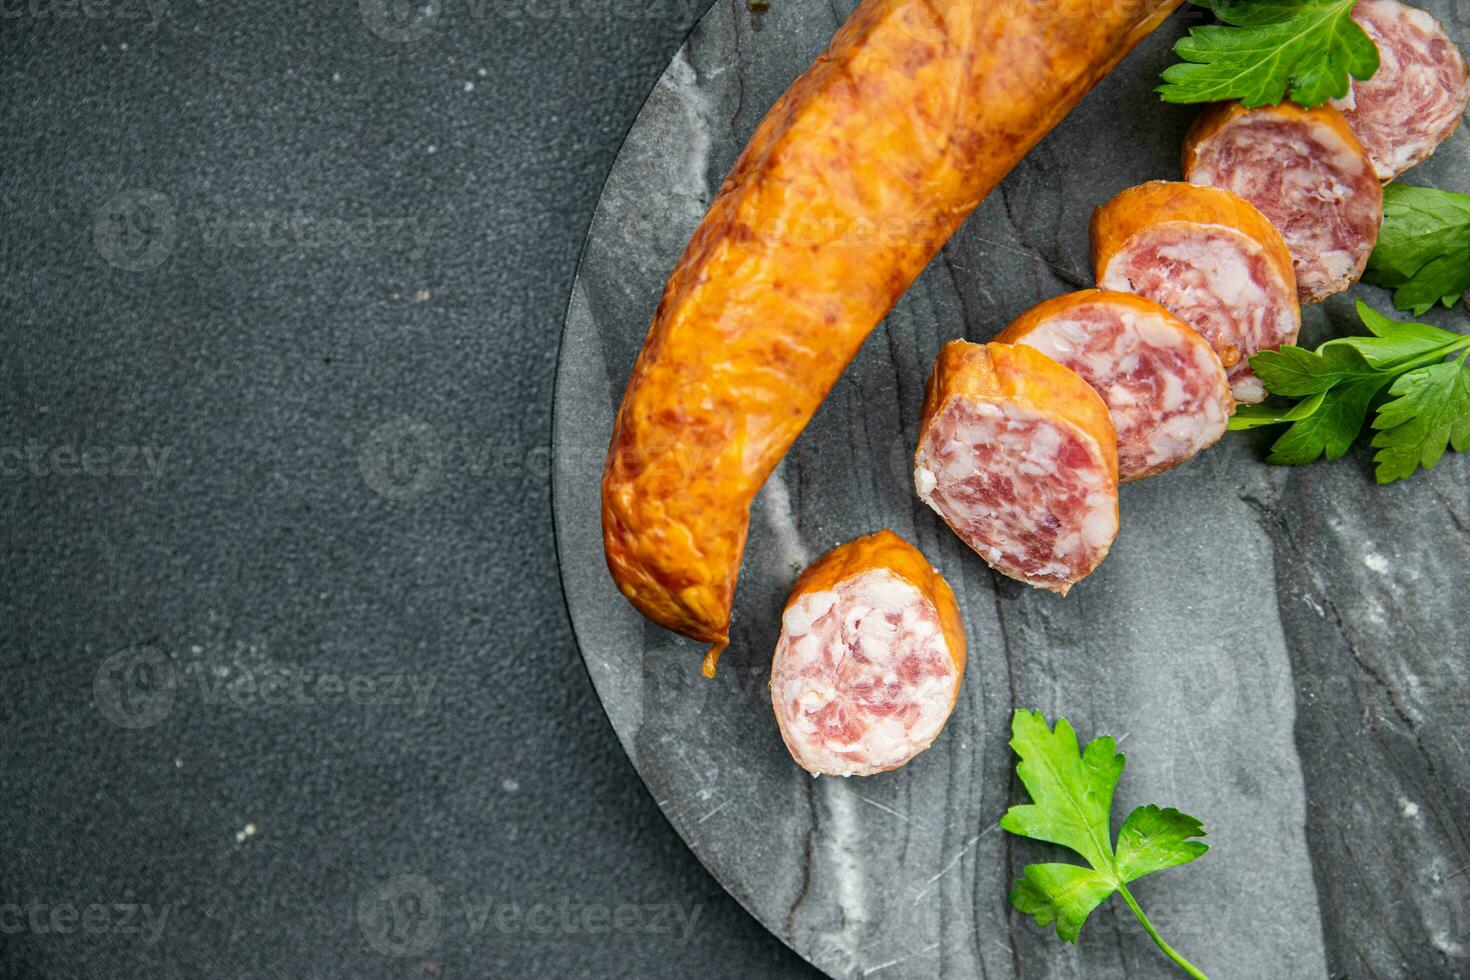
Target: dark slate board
{"x": 1282, "y": 652}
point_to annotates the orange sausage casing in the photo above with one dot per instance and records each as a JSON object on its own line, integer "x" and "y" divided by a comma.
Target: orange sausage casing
{"x": 892, "y": 688}
{"x": 855, "y": 178}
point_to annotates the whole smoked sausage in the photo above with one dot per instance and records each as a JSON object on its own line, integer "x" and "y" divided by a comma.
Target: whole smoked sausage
{"x": 854, "y": 179}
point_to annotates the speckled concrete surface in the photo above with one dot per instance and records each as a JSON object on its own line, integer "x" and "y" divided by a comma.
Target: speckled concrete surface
{"x": 287, "y": 686}
{"x": 1280, "y": 652}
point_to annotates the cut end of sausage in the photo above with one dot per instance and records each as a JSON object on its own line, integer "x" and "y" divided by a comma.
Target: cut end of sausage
{"x": 1210, "y": 258}
{"x": 863, "y": 678}
{"x": 1164, "y": 386}
{"x": 1307, "y": 173}
{"x": 1419, "y": 93}
{"x": 1031, "y": 493}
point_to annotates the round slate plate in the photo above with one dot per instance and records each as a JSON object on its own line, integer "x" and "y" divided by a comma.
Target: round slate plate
{"x": 1280, "y": 652}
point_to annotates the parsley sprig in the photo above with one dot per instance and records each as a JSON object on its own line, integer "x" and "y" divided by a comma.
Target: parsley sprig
{"x": 1072, "y": 801}
{"x": 1423, "y": 250}
{"x": 1422, "y": 399}
{"x": 1263, "y": 49}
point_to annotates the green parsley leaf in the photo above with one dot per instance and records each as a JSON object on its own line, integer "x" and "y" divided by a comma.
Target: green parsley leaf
{"x": 1265, "y": 48}
{"x": 1255, "y": 416}
{"x": 1062, "y": 893}
{"x": 1296, "y": 371}
{"x": 1429, "y": 408}
{"x": 1423, "y": 250}
{"x": 1331, "y": 429}
{"x": 1073, "y": 795}
{"x": 1393, "y": 341}
{"x": 1152, "y": 839}
{"x": 1072, "y": 800}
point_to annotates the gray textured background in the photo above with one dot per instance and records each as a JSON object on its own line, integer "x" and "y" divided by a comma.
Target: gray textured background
{"x": 223, "y": 327}
{"x": 1280, "y": 652}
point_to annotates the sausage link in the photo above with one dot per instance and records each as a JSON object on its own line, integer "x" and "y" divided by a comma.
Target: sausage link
{"x": 851, "y": 183}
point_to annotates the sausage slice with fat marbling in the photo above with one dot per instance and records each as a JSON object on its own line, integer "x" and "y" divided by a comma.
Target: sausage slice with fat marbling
{"x": 1163, "y": 384}
{"x": 1019, "y": 457}
{"x": 1209, "y": 257}
{"x": 870, "y": 658}
{"x": 1307, "y": 173}
{"x": 1419, "y": 93}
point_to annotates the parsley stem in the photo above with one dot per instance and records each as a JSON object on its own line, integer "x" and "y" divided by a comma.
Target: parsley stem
{"x": 1433, "y": 357}
{"x": 1153, "y": 933}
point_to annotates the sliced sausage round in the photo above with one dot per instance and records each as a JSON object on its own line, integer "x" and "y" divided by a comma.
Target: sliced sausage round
{"x": 1163, "y": 384}
{"x": 1416, "y": 98}
{"x": 1210, "y": 258}
{"x": 1306, "y": 172}
{"x": 1019, "y": 457}
{"x": 870, "y": 658}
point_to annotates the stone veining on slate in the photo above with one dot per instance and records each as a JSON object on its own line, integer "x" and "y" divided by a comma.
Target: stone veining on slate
{"x": 1279, "y": 652}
